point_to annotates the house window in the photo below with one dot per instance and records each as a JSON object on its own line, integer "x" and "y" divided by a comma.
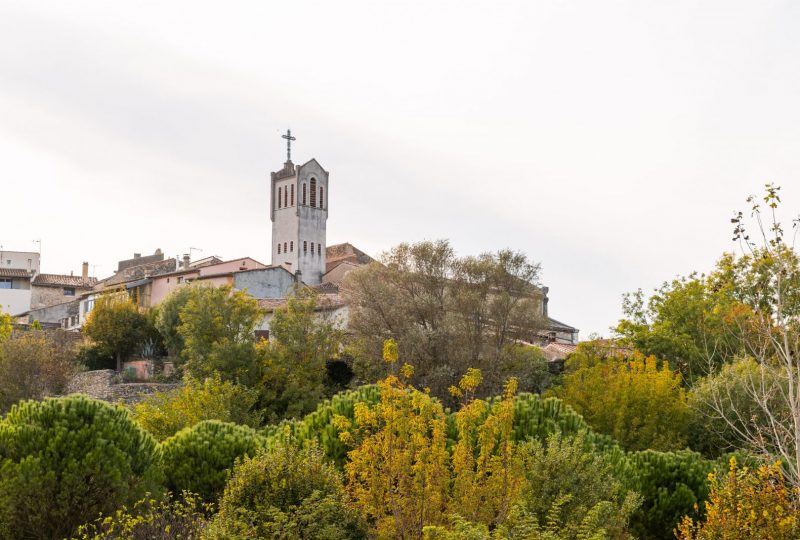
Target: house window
{"x": 279, "y": 197}
{"x": 319, "y": 249}
{"x": 304, "y": 194}
{"x": 5, "y": 283}
{"x": 180, "y": 280}
{"x": 305, "y": 246}
{"x": 284, "y": 248}
{"x": 262, "y": 334}
{"x": 313, "y": 192}
{"x": 321, "y": 204}
{"x": 279, "y": 248}
{"x": 69, "y": 291}
{"x": 291, "y": 246}
{"x": 291, "y": 196}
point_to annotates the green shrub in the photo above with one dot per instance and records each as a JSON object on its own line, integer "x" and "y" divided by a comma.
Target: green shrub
{"x": 285, "y": 492}
{"x": 151, "y": 519}
{"x": 198, "y": 459}
{"x": 63, "y": 461}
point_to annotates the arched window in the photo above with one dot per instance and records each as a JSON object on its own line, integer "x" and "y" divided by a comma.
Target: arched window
{"x": 279, "y": 248}
{"x": 321, "y": 203}
{"x": 285, "y": 196}
{"x": 284, "y": 248}
{"x": 312, "y": 248}
{"x": 279, "y": 197}
{"x": 291, "y": 246}
{"x": 313, "y": 192}
{"x": 304, "y": 193}
{"x": 319, "y": 249}
{"x": 305, "y": 247}
{"x": 291, "y": 196}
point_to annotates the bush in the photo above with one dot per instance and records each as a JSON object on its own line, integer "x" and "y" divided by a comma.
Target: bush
{"x": 163, "y": 414}
{"x": 198, "y": 459}
{"x": 285, "y": 492}
{"x": 63, "y": 461}
{"x": 151, "y": 519}
{"x": 32, "y": 366}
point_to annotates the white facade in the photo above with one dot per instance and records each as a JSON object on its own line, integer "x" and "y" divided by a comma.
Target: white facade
{"x": 299, "y": 213}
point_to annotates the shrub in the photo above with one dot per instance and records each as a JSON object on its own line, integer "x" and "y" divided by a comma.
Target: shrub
{"x": 198, "y": 459}
{"x": 285, "y": 492}
{"x": 32, "y": 366}
{"x": 151, "y": 519}
{"x": 63, "y": 461}
{"x": 163, "y": 414}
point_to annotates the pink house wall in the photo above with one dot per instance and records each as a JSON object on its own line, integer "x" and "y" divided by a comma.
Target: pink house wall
{"x": 163, "y": 285}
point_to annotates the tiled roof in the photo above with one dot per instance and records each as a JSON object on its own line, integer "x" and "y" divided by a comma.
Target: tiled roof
{"x": 14, "y": 273}
{"x": 558, "y": 351}
{"x": 325, "y": 302}
{"x": 57, "y": 280}
{"x": 344, "y": 252}
{"x": 141, "y": 271}
{"x": 326, "y": 288}
{"x": 553, "y": 324}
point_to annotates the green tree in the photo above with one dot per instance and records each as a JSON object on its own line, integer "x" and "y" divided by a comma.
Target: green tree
{"x": 168, "y": 320}
{"x": 217, "y": 327}
{"x": 6, "y": 326}
{"x": 163, "y": 414}
{"x": 32, "y": 366}
{"x": 198, "y": 459}
{"x": 63, "y": 461}
{"x": 294, "y": 361}
{"x": 117, "y": 327}
{"x": 287, "y": 493}
{"x": 635, "y": 401}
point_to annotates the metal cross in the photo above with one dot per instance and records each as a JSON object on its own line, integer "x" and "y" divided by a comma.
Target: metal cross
{"x": 289, "y": 140}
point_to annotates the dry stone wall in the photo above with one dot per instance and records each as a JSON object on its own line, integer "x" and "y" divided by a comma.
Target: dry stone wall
{"x": 100, "y": 384}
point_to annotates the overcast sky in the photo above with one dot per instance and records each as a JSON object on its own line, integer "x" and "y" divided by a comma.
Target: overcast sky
{"x": 610, "y": 141}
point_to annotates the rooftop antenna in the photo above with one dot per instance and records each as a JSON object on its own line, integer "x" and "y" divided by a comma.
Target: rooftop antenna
{"x": 94, "y": 269}
{"x": 194, "y": 249}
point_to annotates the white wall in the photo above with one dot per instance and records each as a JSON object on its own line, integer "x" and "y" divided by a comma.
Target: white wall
{"x": 15, "y": 301}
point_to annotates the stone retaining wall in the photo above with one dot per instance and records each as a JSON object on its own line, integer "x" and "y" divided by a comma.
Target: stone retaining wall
{"x": 100, "y": 384}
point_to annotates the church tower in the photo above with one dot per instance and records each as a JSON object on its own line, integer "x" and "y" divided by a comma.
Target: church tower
{"x": 299, "y": 213}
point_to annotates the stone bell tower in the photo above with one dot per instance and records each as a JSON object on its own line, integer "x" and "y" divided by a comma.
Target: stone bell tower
{"x": 299, "y": 213}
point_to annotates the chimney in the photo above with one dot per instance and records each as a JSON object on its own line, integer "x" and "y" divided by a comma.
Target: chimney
{"x": 85, "y": 270}
{"x": 137, "y": 255}
{"x": 186, "y": 261}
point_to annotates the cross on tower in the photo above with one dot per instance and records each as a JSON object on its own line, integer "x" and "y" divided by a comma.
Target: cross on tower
{"x": 289, "y": 140}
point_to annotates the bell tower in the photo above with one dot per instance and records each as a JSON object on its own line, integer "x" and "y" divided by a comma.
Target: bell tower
{"x": 299, "y": 213}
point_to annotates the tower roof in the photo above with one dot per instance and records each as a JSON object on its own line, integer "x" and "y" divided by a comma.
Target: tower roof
{"x": 287, "y": 171}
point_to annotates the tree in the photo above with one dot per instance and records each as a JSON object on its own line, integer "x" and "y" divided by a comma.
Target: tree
{"x": 747, "y": 504}
{"x": 294, "y": 361}
{"x": 766, "y": 280}
{"x": 635, "y": 401}
{"x": 163, "y": 414}
{"x": 168, "y": 319}
{"x": 398, "y": 470}
{"x": 6, "y": 326}
{"x": 217, "y": 327}
{"x": 198, "y": 459}
{"x": 286, "y": 492}
{"x": 63, "y": 461}
{"x": 32, "y": 366}
{"x": 447, "y": 313}
{"x": 117, "y": 327}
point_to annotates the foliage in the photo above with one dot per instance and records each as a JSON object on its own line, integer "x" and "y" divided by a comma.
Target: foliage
{"x": 529, "y": 367}
{"x": 168, "y": 318}
{"x": 672, "y": 485}
{"x": 151, "y": 519}
{"x": 32, "y": 366}
{"x": 117, "y": 327}
{"x": 635, "y": 401}
{"x": 198, "y": 459}
{"x": 287, "y": 493}
{"x": 568, "y": 487}
{"x": 729, "y": 390}
{"x": 487, "y": 471}
{"x": 163, "y": 414}
{"x": 447, "y": 313}
{"x": 6, "y": 326}
{"x": 747, "y": 504}
{"x": 686, "y": 322}
{"x": 294, "y": 360}
{"x": 65, "y": 460}
{"x": 217, "y": 327}
{"x": 398, "y": 470}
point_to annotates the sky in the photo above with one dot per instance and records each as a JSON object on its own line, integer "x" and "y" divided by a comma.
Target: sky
{"x": 609, "y": 141}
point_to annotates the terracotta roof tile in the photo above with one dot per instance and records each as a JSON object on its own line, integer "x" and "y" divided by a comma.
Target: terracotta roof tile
{"x": 57, "y": 280}
{"x": 14, "y": 273}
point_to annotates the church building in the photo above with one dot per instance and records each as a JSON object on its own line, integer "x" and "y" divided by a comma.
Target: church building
{"x": 299, "y": 213}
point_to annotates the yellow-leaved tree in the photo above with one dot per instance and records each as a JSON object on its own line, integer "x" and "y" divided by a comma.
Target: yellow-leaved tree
{"x": 747, "y": 504}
